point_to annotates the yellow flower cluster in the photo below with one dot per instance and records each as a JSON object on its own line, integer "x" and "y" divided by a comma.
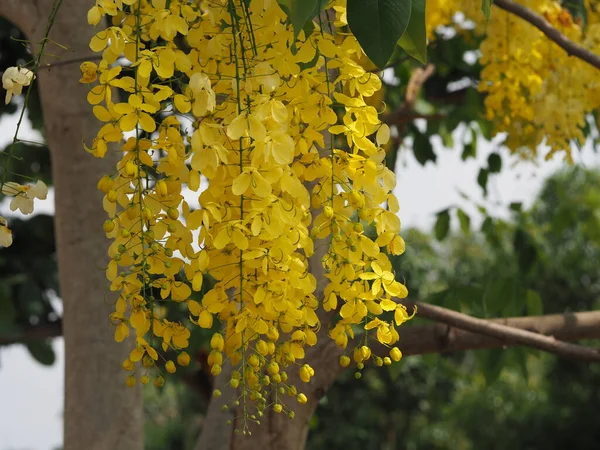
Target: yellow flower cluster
{"x": 14, "y": 79}
{"x": 292, "y": 154}
{"x": 535, "y": 92}
{"x": 23, "y": 199}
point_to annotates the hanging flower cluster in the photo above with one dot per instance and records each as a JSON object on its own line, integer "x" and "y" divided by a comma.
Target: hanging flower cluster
{"x": 292, "y": 154}
{"x": 14, "y": 79}
{"x": 535, "y": 92}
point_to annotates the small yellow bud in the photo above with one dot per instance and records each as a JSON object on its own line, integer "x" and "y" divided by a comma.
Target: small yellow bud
{"x": 146, "y": 213}
{"x": 234, "y": 383}
{"x": 358, "y": 356}
{"x": 170, "y": 367}
{"x": 387, "y": 361}
{"x": 302, "y": 399}
{"x": 147, "y": 361}
{"x": 217, "y": 342}
{"x": 111, "y": 196}
{"x": 328, "y": 212}
{"x": 273, "y": 368}
{"x": 130, "y": 381}
{"x": 304, "y": 373}
{"x": 253, "y": 360}
{"x": 128, "y": 364}
{"x": 108, "y": 226}
{"x": 277, "y": 408}
{"x": 344, "y": 361}
{"x": 161, "y": 188}
{"x": 159, "y": 381}
{"x": 145, "y": 379}
{"x": 262, "y": 347}
{"x": 215, "y": 370}
{"x": 217, "y": 393}
{"x": 215, "y": 358}
{"x": 395, "y": 354}
{"x": 173, "y": 213}
{"x": 360, "y": 366}
{"x": 358, "y": 375}
{"x": 183, "y": 359}
{"x": 273, "y": 334}
{"x": 105, "y": 184}
{"x": 365, "y": 352}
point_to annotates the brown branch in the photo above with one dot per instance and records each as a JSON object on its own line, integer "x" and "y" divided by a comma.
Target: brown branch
{"x": 441, "y": 338}
{"x": 33, "y": 333}
{"x": 405, "y": 112}
{"x": 552, "y": 33}
{"x": 510, "y": 335}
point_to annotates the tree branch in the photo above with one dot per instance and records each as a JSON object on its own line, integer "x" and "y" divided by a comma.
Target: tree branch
{"x": 441, "y": 338}
{"x": 33, "y": 333}
{"x": 511, "y": 335}
{"x": 552, "y": 33}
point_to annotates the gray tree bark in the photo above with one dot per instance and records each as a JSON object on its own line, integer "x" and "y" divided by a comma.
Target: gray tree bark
{"x": 101, "y": 413}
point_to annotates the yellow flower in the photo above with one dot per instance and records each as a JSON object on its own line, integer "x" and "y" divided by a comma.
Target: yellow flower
{"x": 136, "y": 111}
{"x": 5, "y": 233}
{"x": 383, "y": 279}
{"x": 14, "y": 79}
{"x": 24, "y": 195}
{"x": 89, "y": 72}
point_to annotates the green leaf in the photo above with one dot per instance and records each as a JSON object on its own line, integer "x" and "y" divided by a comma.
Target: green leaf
{"x": 516, "y": 207}
{"x": 482, "y": 179}
{"x": 442, "y": 225}
{"x": 533, "y": 302}
{"x": 446, "y": 136}
{"x": 42, "y": 352}
{"x": 378, "y": 25}
{"x": 465, "y": 221}
{"x": 494, "y": 163}
{"x": 423, "y": 149}
{"x": 486, "y": 7}
{"x": 300, "y": 12}
{"x": 526, "y": 249}
{"x": 414, "y": 39}
{"x": 491, "y": 363}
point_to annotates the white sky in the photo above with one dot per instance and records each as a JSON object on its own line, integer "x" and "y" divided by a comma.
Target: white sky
{"x": 31, "y": 395}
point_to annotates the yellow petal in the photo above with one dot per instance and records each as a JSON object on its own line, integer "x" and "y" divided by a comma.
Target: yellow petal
{"x": 241, "y": 183}
{"x": 388, "y": 305}
{"x": 238, "y": 127}
{"x": 240, "y": 240}
{"x": 383, "y": 135}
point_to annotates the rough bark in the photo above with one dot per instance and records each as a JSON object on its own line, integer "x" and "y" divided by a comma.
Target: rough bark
{"x": 101, "y": 413}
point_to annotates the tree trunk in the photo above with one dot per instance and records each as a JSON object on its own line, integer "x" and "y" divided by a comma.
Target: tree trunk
{"x": 101, "y": 413}
{"x": 276, "y": 431}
